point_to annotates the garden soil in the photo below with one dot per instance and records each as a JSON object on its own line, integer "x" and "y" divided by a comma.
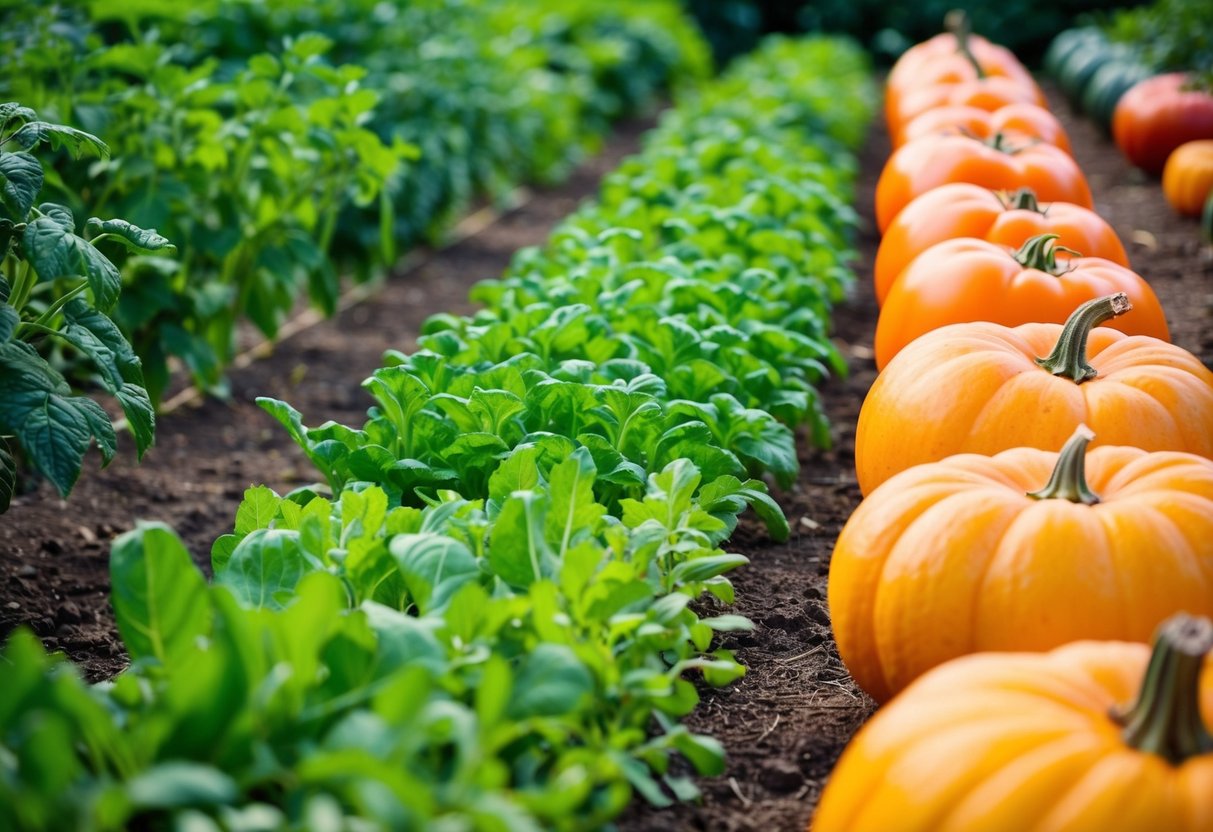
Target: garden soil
{"x": 785, "y": 723}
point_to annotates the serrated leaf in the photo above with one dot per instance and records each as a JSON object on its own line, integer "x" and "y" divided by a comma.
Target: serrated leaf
{"x": 20, "y": 183}
{"x": 55, "y": 251}
{"x": 159, "y": 597}
{"x": 60, "y": 135}
{"x": 134, "y": 238}
{"x": 95, "y": 335}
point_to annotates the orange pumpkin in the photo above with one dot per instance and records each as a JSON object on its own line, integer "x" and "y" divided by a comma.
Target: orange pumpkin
{"x": 1091, "y": 737}
{"x": 978, "y": 388}
{"x": 1187, "y": 179}
{"x": 1026, "y": 119}
{"x": 964, "y": 210}
{"x": 1005, "y": 162}
{"x": 976, "y": 553}
{"x": 991, "y": 93}
{"x": 972, "y": 280}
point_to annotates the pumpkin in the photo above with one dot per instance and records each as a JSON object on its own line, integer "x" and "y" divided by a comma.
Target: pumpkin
{"x": 1108, "y": 85}
{"x": 1091, "y": 737}
{"x": 1025, "y": 119}
{"x": 1005, "y": 162}
{"x": 991, "y": 93}
{"x": 1065, "y": 47}
{"x": 964, "y": 210}
{"x": 972, "y": 280}
{"x": 1157, "y": 116}
{"x": 983, "y": 387}
{"x": 1023, "y": 550}
{"x": 1187, "y": 178}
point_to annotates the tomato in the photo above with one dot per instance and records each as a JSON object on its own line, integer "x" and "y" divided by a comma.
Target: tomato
{"x": 1157, "y": 116}
{"x": 1005, "y": 162}
{"x": 963, "y": 210}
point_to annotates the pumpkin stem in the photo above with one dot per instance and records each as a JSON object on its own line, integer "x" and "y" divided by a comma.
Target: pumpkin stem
{"x": 1023, "y": 200}
{"x": 1040, "y": 252}
{"x": 1165, "y": 720}
{"x": 1069, "y": 479}
{"x": 957, "y": 22}
{"x": 1069, "y": 356}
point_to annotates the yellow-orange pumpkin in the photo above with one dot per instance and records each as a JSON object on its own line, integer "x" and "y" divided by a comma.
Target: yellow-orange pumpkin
{"x": 1095, "y": 736}
{"x": 1187, "y": 179}
{"x": 977, "y": 388}
{"x": 1023, "y": 550}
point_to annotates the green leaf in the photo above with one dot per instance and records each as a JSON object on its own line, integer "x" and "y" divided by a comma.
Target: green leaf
{"x": 95, "y": 335}
{"x": 53, "y": 427}
{"x": 434, "y": 567}
{"x": 176, "y": 784}
{"x": 701, "y": 569}
{"x": 550, "y": 681}
{"x": 518, "y": 552}
{"x": 159, "y": 596}
{"x": 60, "y": 135}
{"x": 8, "y": 476}
{"x": 134, "y": 238}
{"x": 55, "y": 252}
{"x": 20, "y": 184}
{"x": 8, "y": 321}
{"x": 257, "y": 510}
{"x": 573, "y": 514}
{"x": 517, "y": 472}
{"x": 264, "y": 568}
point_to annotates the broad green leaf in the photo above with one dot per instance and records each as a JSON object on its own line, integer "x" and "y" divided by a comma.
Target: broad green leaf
{"x": 701, "y": 569}
{"x": 8, "y": 321}
{"x": 159, "y": 596}
{"x": 517, "y": 472}
{"x": 20, "y": 183}
{"x": 8, "y": 476}
{"x": 518, "y": 552}
{"x": 405, "y": 640}
{"x": 573, "y": 514}
{"x": 434, "y": 567}
{"x": 56, "y": 252}
{"x": 132, "y": 237}
{"x": 550, "y": 681}
{"x": 264, "y": 568}
{"x": 176, "y": 784}
{"x": 257, "y": 510}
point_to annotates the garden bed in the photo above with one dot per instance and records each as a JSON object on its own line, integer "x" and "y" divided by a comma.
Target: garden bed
{"x": 785, "y": 723}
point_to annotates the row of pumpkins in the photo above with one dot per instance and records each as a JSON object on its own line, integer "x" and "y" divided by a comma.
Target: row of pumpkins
{"x": 1000, "y": 580}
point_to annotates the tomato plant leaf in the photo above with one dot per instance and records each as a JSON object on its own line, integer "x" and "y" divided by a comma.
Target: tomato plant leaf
{"x": 20, "y": 183}
{"x": 55, "y": 252}
{"x": 132, "y": 237}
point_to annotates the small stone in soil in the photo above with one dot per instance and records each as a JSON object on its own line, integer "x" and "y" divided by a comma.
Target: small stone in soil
{"x": 781, "y": 776}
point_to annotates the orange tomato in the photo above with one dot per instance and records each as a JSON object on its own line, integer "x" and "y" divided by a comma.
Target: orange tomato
{"x": 1006, "y": 162}
{"x": 1091, "y": 737}
{"x": 967, "y": 279}
{"x": 963, "y": 210}
{"x": 1026, "y": 119}
{"x": 1187, "y": 179}
{"x": 977, "y": 388}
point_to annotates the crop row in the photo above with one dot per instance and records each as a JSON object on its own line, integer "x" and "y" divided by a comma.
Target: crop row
{"x": 484, "y": 618}
{"x": 272, "y": 159}
{"x": 1012, "y": 335}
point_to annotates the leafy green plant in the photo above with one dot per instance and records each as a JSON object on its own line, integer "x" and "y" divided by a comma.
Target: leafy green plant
{"x": 57, "y": 288}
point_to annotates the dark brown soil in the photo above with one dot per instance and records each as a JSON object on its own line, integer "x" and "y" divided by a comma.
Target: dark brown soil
{"x": 785, "y": 723}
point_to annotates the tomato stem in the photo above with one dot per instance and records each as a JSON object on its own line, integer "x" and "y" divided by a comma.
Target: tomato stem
{"x": 1069, "y": 478}
{"x": 1040, "y": 252}
{"x": 1023, "y": 200}
{"x": 957, "y": 22}
{"x": 1069, "y": 356}
{"x": 1165, "y": 720}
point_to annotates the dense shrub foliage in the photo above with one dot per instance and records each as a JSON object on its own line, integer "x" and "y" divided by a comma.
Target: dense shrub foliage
{"x": 483, "y": 619}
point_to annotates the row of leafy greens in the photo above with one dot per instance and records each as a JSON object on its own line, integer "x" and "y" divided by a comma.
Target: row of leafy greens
{"x": 491, "y": 614}
{"x": 280, "y": 144}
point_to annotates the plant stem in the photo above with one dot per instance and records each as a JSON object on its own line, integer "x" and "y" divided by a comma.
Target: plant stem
{"x": 957, "y": 22}
{"x": 1069, "y": 356}
{"x": 1069, "y": 478}
{"x": 1165, "y": 720}
{"x": 1040, "y": 252}
{"x": 1023, "y": 200}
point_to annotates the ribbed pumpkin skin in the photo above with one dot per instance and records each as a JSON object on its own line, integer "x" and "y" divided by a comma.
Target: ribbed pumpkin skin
{"x": 962, "y": 210}
{"x": 991, "y": 93}
{"x": 1028, "y": 119}
{"x": 953, "y": 557}
{"x": 931, "y": 161}
{"x": 967, "y": 279}
{"x": 1017, "y": 742}
{"x": 1187, "y": 178}
{"x": 974, "y": 388}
